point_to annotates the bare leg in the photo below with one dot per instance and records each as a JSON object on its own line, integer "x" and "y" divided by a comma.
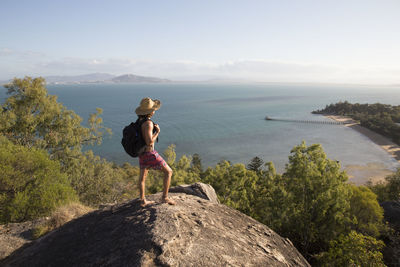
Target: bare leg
{"x": 167, "y": 180}
{"x": 142, "y": 184}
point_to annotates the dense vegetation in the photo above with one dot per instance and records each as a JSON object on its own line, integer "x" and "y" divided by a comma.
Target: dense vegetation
{"x": 381, "y": 118}
{"x": 42, "y": 166}
{"x": 35, "y": 120}
{"x": 31, "y": 184}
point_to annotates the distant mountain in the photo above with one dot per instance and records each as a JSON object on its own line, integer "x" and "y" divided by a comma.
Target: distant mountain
{"x": 130, "y": 78}
{"x": 103, "y": 78}
{"x": 99, "y": 78}
{"x": 86, "y": 78}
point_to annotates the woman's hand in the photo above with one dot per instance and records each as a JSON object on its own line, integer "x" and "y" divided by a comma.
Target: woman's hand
{"x": 157, "y": 127}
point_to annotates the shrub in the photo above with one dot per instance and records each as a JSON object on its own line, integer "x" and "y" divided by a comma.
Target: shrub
{"x": 31, "y": 185}
{"x": 365, "y": 211}
{"x": 353, "y": 249}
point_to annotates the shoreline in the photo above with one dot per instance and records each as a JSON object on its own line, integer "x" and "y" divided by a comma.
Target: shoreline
{"x": 383, "y": 142}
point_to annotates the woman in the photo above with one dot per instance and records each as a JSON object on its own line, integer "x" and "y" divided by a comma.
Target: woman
{"x": 148, "y": 156}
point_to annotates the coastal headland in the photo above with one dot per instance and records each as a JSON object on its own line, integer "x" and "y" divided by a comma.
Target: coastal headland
{"x": 376, "y": 172}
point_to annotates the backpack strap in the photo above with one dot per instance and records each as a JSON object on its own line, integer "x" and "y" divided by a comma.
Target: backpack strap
{"x": 141, "y": 122}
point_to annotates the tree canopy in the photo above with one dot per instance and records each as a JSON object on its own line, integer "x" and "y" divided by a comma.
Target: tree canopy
{"x": 353, "y": 249}
{"x": 367, "y": 214}
{"x": 318, "y": 198}
{"x": 33, "y": 118}
{"x": 311, "y": 203}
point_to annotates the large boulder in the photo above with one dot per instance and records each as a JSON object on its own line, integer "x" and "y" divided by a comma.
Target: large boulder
{"x": 195, "y": 232}
{"x": 202, "y": 190}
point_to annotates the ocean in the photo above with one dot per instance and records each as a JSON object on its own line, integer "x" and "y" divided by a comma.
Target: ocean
{"x": 227, "y": 122}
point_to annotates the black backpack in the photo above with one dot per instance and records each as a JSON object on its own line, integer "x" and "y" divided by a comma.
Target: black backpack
{"x": 132, "y": 139}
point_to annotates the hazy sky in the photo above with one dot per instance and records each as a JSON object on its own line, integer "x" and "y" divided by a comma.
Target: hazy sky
{"x": 279, "y": 41}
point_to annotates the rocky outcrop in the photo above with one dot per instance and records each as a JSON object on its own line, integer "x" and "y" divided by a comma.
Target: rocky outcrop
{"x": 204, "y": 191}
{"x": 195, "y": 232}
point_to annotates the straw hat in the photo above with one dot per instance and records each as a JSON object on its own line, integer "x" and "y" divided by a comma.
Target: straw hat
{"x": 147, "y": 106}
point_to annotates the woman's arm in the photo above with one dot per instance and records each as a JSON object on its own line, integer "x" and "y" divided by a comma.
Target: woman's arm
{"x": 147, "y": 131}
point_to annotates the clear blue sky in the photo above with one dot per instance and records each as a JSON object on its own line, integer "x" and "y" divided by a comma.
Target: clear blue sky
{"x": 323, "y": 41}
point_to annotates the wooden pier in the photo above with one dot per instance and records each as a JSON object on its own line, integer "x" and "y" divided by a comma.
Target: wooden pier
{"x": 308, "y": 121}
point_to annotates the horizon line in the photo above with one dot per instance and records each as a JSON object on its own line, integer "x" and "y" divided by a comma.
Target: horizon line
{"x": 217, "y": 79}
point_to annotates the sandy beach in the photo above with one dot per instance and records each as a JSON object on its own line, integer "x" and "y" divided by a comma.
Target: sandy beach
{"x": 375, "y": 172}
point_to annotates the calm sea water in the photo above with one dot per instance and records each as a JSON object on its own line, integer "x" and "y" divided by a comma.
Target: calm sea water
{"x": 227, "y": 121}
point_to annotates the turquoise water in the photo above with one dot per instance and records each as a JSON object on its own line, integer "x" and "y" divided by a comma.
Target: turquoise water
{"x": 227, "y": 121}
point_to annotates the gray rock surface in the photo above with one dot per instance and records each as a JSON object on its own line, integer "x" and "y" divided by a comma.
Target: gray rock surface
{"x": 15, "y": 235}
{"x": 195, "y": 232}
{"x": 202, "y": 190}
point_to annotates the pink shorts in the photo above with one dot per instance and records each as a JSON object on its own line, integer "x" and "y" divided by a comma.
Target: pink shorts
{"x": 151, "y": 160}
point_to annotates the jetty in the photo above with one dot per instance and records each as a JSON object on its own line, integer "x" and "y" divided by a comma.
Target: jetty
{"x": 309, "y": 121}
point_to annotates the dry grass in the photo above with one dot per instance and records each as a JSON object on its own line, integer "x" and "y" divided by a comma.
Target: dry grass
{"x": 59, "y": 217}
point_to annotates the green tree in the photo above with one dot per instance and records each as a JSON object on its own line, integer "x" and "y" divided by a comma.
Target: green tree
{"x": 365, "y": 211}
{"x": 33, "y": 118}
{"x": 196, "y": 163}
{"x": 354, "y": 249}
{"x": 31, "y": 185}
{"x": 389, "y": 190}
{"x": 98, "y": 181}
{"x": 379, "y": 189}
{"x": 170, "y": 155}
{"x": 270, "y": 198}
{"x": 184, "y": 163}
{"x": 184, "y": 173}
{"x": 234, "y": 184}
{"x": 317, "y": 199}
{"x": 393, "y": 185}
{"x": 255, "y": 164}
